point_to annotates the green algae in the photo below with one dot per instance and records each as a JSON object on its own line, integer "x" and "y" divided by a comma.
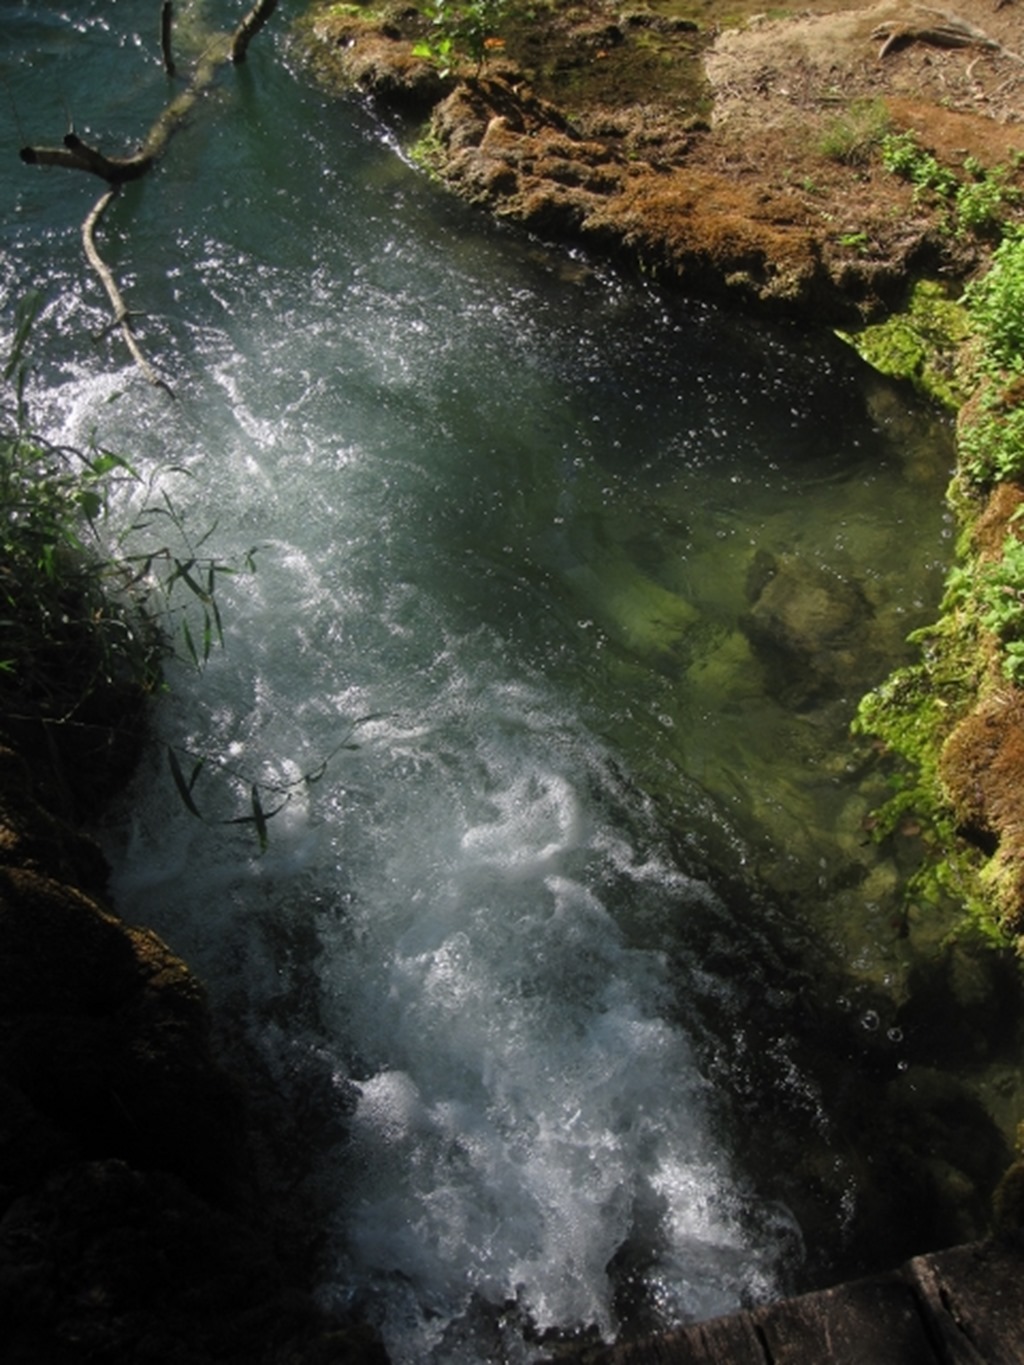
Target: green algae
{"x": 910, "y": 715}
{"x": 922, "y": 344}
{"x": 940, "y": 345}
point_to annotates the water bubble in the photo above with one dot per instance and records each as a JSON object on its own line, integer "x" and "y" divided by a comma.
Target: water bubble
{"x": 869, "y": 1020}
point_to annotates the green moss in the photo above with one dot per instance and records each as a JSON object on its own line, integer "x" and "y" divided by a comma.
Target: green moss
{"x": 921, "y": 344}
{"x": 912, "y": 713}
{"x": 427, "y": 152}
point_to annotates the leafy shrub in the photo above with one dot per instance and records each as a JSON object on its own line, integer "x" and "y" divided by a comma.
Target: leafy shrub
{"x": 1002, "y": 600}
{"x": 82, "y": 630}
{"x": 996, "y": 305}
{"x": 904, "y": 156}
{"x": 981, "y": 201}
{"x": 64, "y": 634}
{"x": 992, "y": 445}
{"x": 462, "y": 30}
{"x": 978, "y": 203}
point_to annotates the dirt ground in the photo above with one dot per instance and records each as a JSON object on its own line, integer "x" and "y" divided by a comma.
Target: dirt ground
{"x": 782, "y": 87}
{"x": 786, "y": 73}
{"x": 733, "y": 151}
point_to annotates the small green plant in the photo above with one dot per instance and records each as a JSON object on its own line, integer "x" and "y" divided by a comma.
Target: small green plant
{"x": 852, "y": 137}
{"x": 462, "y": 31}
{"x": 978, "y": 203}
{"x": 992, "y": 443}
{"x": 996, "y": 306}
{"x": 1002, "y": 602}
{"x": 855, "y": 241}
{"x": 982, "y": 199}
{"x": 992, "y": 440}
{"x": 904, "y": 156}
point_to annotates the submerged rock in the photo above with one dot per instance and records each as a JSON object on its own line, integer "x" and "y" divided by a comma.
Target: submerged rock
{"x": 808, "y": 626}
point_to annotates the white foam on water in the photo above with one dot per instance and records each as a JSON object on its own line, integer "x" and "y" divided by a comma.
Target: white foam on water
{"x": 527, "y": 1110}
{"x": 478, "y": 887}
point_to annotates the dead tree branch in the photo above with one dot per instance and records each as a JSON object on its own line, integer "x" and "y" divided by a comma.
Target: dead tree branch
{"x": 166, "y": 24}
{"x": 249, "y": 27}
{"x": 121, "y": 314}
{"x": 77, "y": 155}
{"x": 938, "y": 28}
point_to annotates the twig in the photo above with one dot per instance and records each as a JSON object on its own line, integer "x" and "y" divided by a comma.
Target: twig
{"x": 121, "y": 314}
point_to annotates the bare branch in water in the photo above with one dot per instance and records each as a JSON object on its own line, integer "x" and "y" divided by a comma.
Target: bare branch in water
{"x": 77, "y": 155}
{"x": 249, "y": 27}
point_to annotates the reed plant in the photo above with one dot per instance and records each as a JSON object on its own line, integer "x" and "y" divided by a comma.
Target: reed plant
{"x": 86, "y": 624}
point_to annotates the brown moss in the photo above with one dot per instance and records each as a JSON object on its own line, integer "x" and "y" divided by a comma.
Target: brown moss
{"x": 989, "y": 531}
{"x": 981, "y": 767}
{"x": 951, "y": 132}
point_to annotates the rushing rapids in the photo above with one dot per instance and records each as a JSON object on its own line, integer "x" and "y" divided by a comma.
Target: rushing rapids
{"x": 545, "y": 834}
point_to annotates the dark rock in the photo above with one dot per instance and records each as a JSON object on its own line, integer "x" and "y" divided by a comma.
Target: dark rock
{"x": 131, "y": 1226}
{"x": 30, "y": 837}
{"x": 104, "y": 1262}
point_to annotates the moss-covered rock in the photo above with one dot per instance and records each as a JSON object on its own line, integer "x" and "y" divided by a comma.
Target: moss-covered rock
{"x": 921, "y": 343}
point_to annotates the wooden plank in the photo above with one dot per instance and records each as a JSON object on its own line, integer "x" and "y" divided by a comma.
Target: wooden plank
{"x": 874, "y": 1320}
{"x": 721, "y": 1341}
{"x": 958, "y": 1307}
{"x": 973, "y": 1298}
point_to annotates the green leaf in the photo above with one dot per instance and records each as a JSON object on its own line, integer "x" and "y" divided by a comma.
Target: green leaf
{"x": 25, "y": 315}
{"x": 190, "y": 644}
{"x": 106, "y": 461}
{"x": 91, "y": 503}
{"x": 184, "y": 788}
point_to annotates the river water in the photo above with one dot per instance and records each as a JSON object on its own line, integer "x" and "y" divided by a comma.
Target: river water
{"x": 573, "y": 989}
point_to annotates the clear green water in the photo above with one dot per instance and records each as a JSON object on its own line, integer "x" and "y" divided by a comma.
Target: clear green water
{"x": 576, "y": 992}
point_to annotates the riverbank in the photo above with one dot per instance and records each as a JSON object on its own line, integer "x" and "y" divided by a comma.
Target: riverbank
{"x": 735, "y": 156}
{"x": 810, "y": 166}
